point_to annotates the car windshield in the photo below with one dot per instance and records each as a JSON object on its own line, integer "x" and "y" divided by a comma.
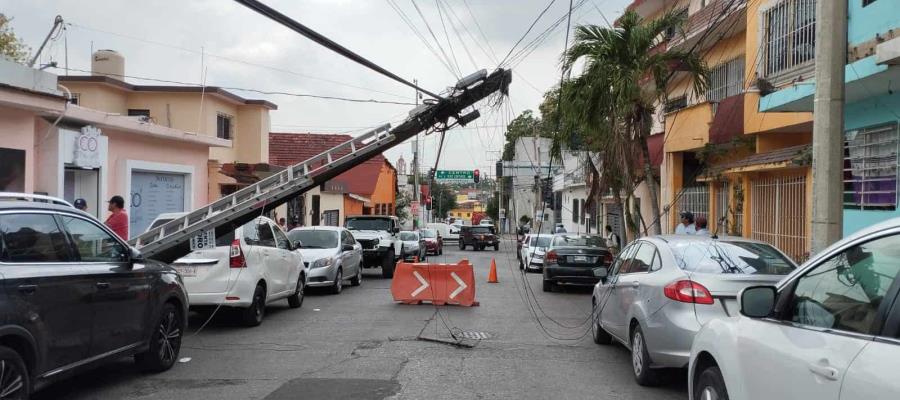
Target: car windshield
{"x": 368, "y": 224}
{"x": 315, "y": 239}
{"x": 408, "y": 236}
{"x": 540, "y": 241}
{"x": 429, "y": 233}
{"x": 730, "y": 257}
{"x": 579, "y": 241}
{"x": 482, "y": 230}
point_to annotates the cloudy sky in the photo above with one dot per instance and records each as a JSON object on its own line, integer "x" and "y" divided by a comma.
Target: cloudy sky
{"x": 164, "y": 40}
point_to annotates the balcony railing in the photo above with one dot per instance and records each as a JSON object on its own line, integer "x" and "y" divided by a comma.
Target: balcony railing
{"x": 708, "y": 17}
{"x": 788, "y": 39}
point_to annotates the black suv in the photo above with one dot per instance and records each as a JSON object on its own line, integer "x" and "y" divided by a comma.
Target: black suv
{"x": 479, "y": 237}
{"x": 75, "y": 295}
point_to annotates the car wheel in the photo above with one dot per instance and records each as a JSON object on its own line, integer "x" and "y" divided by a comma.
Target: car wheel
{"x": 338, "y": 282}
{"x": 15, "y": 382}
{"x": 521, "y": 265}
{"x": 387, "y": 265}
{"x": 357, "y": 280}
{"x": 640, "y": 359}
{"x": 462, "y": 246}
{"x": 548, "y": 286}
{"x": 296, "y": 299}
{"x": 440, "y": 251}
{"x": 165, "y": 342}
{"x": 599, "y": 334}
{"x": 711, "y": 385}
{"x": 497, "y": 247}
{"x": 253, "y": 315}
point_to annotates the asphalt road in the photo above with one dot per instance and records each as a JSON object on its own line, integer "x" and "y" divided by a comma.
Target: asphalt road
{"x": 362, "y": 345}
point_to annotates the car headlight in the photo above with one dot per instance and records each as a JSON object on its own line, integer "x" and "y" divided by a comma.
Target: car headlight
{"x": 323, "y": 262}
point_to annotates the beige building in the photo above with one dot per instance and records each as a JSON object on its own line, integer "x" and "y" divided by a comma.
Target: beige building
{"x": 205, "y": 112}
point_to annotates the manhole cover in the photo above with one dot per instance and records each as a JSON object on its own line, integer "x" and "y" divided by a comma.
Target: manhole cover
{"x": 475, "y": 335}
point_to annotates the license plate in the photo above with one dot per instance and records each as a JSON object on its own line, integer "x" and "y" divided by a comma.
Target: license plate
{"x": 186, "y": 270}
{"x": 579, "y": 259}
{"x": 203, "y": 240}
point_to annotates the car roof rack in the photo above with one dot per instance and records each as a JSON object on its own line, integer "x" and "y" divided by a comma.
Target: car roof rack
{"x": 37, "y": 198}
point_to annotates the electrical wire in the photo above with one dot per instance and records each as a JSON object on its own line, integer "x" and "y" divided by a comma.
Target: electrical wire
{"x": 418, "y": 34}
{"x": 437, "y": 42}
{"x": 533, "y": 23}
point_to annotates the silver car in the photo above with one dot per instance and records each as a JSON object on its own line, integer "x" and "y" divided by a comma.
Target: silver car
{"x": 413, "y": 245}
{"x": 331, "y": 255}
{"x": 660, "y": 290}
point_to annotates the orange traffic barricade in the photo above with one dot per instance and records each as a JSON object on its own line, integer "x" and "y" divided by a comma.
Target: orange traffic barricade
{"x": 439, "y": 284}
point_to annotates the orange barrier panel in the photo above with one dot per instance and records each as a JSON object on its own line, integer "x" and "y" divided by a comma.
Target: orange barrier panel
{"x": 439, "y": 284}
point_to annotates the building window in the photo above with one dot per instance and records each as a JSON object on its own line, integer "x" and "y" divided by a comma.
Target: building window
{"x": 575, "y": 210}
{"x": 789, "y": 36}
{"x": 75, "y": 99}
{"x": 867, "y": 2}
{"x": 138, "y": 112}
{"x": 223, "y": 126}
{"x": 583, "y": 219}
{"x": 390, "y": 209}
{"x": 726, "y": 80}
{"x": 870, "y": 168}
{"x": 676, "y": 104}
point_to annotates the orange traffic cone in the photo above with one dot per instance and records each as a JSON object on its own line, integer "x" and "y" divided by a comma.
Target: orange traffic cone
{"x": 492, "y": 275}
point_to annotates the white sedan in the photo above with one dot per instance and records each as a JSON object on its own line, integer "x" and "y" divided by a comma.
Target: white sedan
{"x": 829, "y": 330}
{"x": 247, "y": 269}
{"x": 531, "y": 255}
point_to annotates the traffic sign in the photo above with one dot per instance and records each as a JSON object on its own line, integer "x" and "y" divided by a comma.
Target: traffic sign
{"x": 454, "y": 176}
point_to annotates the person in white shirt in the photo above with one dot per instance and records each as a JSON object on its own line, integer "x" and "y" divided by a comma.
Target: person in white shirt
{"x": 686, "y": 227}
{"x": 612, "y": 241}
{"x": 701, "y": 226}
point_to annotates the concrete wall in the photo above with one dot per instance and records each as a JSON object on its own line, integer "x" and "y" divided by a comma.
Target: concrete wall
{"x": 17, "y": 129}
{"x": 875, "y": 19}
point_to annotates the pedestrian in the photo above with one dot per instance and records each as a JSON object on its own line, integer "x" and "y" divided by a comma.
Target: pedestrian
{"x": 686, "y": 227}
{"x": 80, "y": 204}
{"x": 613, "y": 242}
{"x": 701, "y": 226}
{"x": 560, "y": 228}
{"x": 282, "y": 223}
{"x": 118, "y": 218}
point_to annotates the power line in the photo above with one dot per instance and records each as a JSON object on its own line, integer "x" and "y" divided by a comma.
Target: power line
{"x": 418, "y": 34}
{"x": 267, "y": 92}
{"x": 326, "y": 42}
{"x": 527, "y": 31}
{"x": 433, "y": 36}
{"x": 447, "y": 36}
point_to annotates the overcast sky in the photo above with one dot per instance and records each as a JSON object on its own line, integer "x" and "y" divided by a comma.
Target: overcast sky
{"x": 162, "y": 39}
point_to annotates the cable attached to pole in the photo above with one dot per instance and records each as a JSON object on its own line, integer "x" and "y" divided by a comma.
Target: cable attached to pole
{"x": 288, "y": 22}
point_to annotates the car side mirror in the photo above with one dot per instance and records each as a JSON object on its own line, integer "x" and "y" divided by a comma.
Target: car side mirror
{"x": 601, "y": 272}
{"x": 347, "y": 247}
{"x": 395, "y": 230}
{"x": 135, "y": 256}
{"x": 758, "y": 301}
{"x": 296, "y": 245}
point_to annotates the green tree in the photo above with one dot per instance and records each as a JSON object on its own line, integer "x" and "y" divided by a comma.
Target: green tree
{"x": 11, "y": 46}
{"x": 612, "y": 102}
{"x": 443, "y": 199}
{"x": 402, "y": 209}
{"x": 493, "y": 208}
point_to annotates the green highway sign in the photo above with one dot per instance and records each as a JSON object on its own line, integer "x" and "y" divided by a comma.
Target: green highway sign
{"x": 454, "y": 176}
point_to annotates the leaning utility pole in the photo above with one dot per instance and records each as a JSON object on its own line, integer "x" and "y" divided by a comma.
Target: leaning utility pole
{"x": 415, "y": 170}
{"x": 828, "y": 123}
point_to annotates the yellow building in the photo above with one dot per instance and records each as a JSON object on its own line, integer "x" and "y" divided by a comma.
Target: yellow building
{"x": 745, "y": 171}
{"x": 243, "y": 124}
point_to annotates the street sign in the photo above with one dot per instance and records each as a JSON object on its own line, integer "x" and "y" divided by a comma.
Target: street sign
{"x": 454, "y": 176}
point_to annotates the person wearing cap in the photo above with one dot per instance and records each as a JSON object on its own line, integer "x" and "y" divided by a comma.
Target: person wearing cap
{"x": 118, "y": 218}
{"x": 80, "y": 204}
{"x": 686, "y": 227}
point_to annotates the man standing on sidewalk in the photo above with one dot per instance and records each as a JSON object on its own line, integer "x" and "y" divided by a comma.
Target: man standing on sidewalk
{"x": 118, "y": 219}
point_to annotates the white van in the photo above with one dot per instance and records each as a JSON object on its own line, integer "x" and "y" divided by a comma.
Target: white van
{"x": 448, "y": 232}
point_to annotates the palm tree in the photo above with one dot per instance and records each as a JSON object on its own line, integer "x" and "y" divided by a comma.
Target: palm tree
{"x": 626, "y": 71}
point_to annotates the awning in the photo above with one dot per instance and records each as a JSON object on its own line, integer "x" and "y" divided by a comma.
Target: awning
{"x": 249, "y": 173}
{"x": 788, "y": 157}
{"x": 364, "y": 200}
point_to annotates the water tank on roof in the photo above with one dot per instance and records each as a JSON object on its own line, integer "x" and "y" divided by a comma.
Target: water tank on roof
{"x": 108, "y": 63}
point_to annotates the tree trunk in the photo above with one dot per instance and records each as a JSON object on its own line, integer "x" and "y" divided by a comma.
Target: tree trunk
{"x": 643, "y": 123}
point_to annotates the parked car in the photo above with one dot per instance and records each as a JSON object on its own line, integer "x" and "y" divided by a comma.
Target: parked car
{"x": 531, "y": 255}
{"x": 249, "y": 268}
{"x": 573, "y": 259}
{"x": 662, "y": 289}
{"x": 76, "y": 296}
{"x": 413, "y": 245}
{"x": 434, "y": 242}
{"x": 331, "y": 256}
{"x": 478, "y": 237}
{"x": 486, "y": 222}
{"x": 379, "y": 236}
{"x": 448, "y": 232}
{"x": 520, "y": 241}
{"x": 829, "y": 330}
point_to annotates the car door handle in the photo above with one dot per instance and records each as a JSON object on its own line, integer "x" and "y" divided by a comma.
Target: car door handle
{"x": 824, "y": 371}
{"x": 27, "y": 289}
{"x": 102, "y": 285}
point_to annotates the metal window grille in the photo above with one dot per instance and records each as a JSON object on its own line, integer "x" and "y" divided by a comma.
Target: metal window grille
{"x": 870, "y": 168}
{"x": 789, "y": 33}
{"x": 223, "y": 126}
{"x": 694, "y": 199}
{"x": 726, "y": 80}
{"x": 723, "y": 216}
{"x": 676, "y": 104}
{"x": 779, "y": 214}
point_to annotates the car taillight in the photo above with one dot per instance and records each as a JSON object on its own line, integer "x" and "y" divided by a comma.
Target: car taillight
{"x": 688, "y": 292}
{"x": 551, "y": 257}
{"x": 608, "y": 259}
{"x": 236, "y": 259}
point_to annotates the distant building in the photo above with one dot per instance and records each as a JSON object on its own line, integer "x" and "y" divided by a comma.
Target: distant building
{"x": 366, "y": 189}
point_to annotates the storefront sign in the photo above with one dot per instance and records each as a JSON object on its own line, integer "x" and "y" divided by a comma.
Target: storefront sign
{"x": 87, "y": 148}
